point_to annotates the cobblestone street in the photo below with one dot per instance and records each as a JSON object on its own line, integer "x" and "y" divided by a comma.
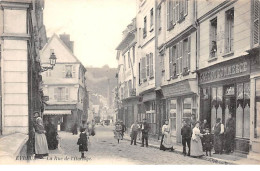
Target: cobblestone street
{"x": 104, "y": 149}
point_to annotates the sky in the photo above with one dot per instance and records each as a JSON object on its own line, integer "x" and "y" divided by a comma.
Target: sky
{"x": 95, "y": 26}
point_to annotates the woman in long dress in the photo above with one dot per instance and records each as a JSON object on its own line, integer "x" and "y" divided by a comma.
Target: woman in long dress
{"x": 118, "y": 131}
{"x": 166, "y": 142}
{"x": 41, "y": 146}
{"x": 195, "y": 145}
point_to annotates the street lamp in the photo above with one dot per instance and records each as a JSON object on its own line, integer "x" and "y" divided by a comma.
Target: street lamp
{"x": 52, "y": 63}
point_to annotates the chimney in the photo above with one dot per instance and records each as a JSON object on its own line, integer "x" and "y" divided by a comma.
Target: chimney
{"x": 66, "y": 39}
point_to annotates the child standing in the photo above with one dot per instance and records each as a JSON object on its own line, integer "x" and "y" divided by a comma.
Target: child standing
{"x": 207, "y": 142}
{"x": 83, "y": 142}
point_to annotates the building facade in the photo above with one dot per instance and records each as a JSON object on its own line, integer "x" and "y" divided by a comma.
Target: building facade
{"x": 65, "y": 85}
{"x": 22, "y": 37}
{"x": 127, "y": 75}
{"x": 199, "y": 58}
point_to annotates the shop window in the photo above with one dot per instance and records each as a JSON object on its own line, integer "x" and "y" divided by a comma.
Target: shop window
{"x": 243, "y": 110}
{"x": 187, "y": 110}
{"x": 172, "y": 115}
{"x": 257, "y": 110}
{"x": 216, "y": 104}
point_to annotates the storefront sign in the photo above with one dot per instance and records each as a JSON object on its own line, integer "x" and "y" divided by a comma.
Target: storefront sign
{"x": 223, "y": 72}
{"x": 178, "y": 89}
{"x": 148, "y": 97}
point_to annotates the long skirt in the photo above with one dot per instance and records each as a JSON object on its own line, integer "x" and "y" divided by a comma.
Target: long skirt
{"x": 118, "y": 135}
{"x": 196, "y": 147}
{"x": 41, "y": 146}
{"x": 166, "y": 142}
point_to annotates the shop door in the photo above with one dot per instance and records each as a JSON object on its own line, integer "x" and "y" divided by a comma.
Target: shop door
{"x": 229, "y": 102}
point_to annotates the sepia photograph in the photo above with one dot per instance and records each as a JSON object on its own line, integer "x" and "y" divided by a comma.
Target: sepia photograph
{"x": 130, "y": 82}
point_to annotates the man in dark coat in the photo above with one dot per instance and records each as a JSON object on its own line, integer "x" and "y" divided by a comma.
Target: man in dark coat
{"x": 123, "y": 128}
{"x": 186, "y": 137}
{"x": 145, "y": 130}
{"x": 230, "y": 134}
{"x": 218, "y": 131}
{"x": 51, "y": 135}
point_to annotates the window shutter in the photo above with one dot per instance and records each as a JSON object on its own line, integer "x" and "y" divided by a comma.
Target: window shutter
{"x": 174, "y": 11}
{"x": 151, "y": 64}
{"x": 185, "y": 54}
{"x": 189, "y": 49}
{"x": 147, "y": 65}
{"x": 67, "y": 94}
{"x": 63, "y": 71}
{"x": 174, "y": 53}
{"x": 177, "y": 11}
{"x": 185, "y": 7}
{"x": 73, "y": 71}
{"x": 168, "y": 14}
{"x": 55, "y": 94}
{"x": 180, "y": 56}
{"x": 177, "y": 59}
{"x": 170, "y": 62}
{"x": 256, "y": 22}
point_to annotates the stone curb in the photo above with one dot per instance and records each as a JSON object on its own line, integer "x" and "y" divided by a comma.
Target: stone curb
{"x": 210, "y": 159}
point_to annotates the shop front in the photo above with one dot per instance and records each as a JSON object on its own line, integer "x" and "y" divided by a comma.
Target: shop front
{"x": 147, "y": 109}
{"x": 129, "y": 111}
{"x": 224, "y": 90}
{"x": 181, "y": 103}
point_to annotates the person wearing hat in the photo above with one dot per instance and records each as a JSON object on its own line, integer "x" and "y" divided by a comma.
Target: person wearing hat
{"x": 230, "y": 134}
{"x": 145, "y": 130}
{"x": 186, "y": 133}
{"x": 166, "y": 142}
{"x": 195, "y": 145}
{"x": 207, "y": 142}
{"x": 218, "y": 131}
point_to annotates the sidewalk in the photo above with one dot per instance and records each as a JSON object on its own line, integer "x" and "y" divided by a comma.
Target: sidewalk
{"x": 215, "y": 158}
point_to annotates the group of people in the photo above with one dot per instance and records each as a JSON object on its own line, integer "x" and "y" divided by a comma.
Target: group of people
{"x": 199, "y": 138}
{"x": 45, "y": 137}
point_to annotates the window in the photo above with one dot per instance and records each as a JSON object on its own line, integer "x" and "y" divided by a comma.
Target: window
{"x": 159, "y": 18}
{"x": 213, "y": 38}
{"x": 172, "y": 59}
{"x": 229, "y": 32}
{"x": 216, "y": 104}
{"x": 124, "y": 63}
{"x": 139, "y": 69}
{"x": 162, "y": 62}
{"x": 143, "y": 69}
{"x": 145, "y": 27}
{"x": 176, "y": 12}
{"x": 186, "y": 55}
{"x": 69, "y": 71}
{"x": 147, "y": 67}
{"x": 243, "y": 110}
{"x": 187, "y": 110}
{"x": 61, "y": 94}
{"x": 151, "y": 18}
{"x": 256, "y": 23}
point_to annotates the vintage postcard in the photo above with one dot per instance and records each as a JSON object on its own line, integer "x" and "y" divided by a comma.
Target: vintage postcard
{"x": 130, "y": 82}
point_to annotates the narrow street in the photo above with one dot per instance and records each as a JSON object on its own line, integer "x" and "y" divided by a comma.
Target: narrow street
{"x": 104, "y": 149}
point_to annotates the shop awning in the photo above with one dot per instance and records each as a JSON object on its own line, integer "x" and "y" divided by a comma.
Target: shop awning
{"x": 57, "y": 112}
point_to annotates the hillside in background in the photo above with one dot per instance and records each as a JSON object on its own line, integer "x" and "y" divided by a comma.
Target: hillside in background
{"x": 97, "y": 79}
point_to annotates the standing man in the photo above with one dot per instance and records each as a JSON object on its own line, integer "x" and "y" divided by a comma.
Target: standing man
{"x": 230, "y": 134}
{"x": 218, "y": 131}
{"x": 123, "y": 129}
{"x": 145, "y": 129}
{"x": 186, "y": 137}
{"x": 134, "y": 132}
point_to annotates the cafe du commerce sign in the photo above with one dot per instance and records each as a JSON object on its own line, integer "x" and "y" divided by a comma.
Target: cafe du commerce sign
{"x": 222, "y": 72}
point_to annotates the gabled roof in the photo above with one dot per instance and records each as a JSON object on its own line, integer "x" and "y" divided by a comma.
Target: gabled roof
{"x": 63, "y": 44}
